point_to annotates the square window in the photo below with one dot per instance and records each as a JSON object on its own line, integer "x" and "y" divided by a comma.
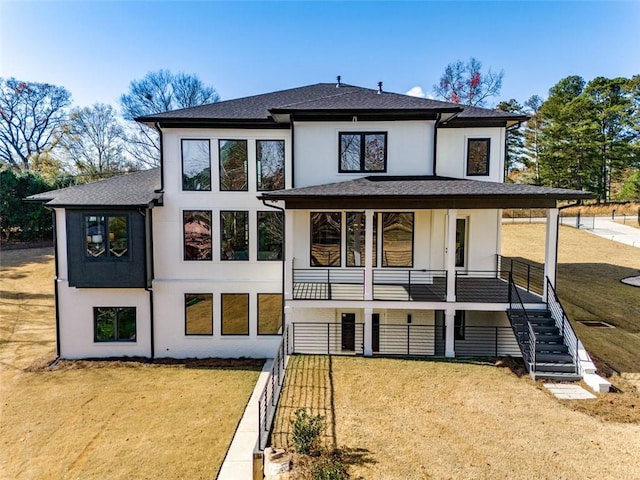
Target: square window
{"x": 363, "y": 152}
{"x": 270, "y": 235}
{"x": 234, "y": 236}
{"x": 197, "y": 234}
{"x": 107, "y": 236}
{"x": 233, "y": 165}
{"x": 478, "y": 156}
{"x": 235, "y": 314}
{"x": 270, "y": 164}
{"x": 196, "y": 165}
{"x": 198, "y": 314}
{"x": 269, "y": 313}
{"x": 114, "y": 324}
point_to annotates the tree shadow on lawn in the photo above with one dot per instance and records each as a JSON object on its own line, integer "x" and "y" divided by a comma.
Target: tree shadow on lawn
{"x": 15, "y": 258}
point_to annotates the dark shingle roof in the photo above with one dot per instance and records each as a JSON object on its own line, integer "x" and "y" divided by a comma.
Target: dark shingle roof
{"x": 424, "y": 188}
{"x": 317, "y": 98}
{"x": 136, "y": 189}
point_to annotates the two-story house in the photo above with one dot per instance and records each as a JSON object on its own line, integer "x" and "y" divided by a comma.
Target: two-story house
{"x": 367, "y": 221}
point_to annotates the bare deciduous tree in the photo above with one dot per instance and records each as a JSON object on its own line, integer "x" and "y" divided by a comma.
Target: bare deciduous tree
{"x": 464, "y": 83}
{"x": 31, "y": 116}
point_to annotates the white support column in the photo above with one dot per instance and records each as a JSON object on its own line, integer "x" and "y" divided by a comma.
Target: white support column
{"x": 450, "y": 263}
{"x": 368, "y": 331}
{"x": 450, "y": 327}
{"x": 368, "y": 255}
{"x": 287, "y": 321}
{"x": 551, "y": 249}
{"x": 288, "y": 255}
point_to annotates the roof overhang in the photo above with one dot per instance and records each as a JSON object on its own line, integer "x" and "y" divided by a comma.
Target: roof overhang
{"x": 285, "y": 115}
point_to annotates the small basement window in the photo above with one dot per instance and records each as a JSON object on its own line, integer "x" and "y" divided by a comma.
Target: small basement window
{"x": 114, "y": 324}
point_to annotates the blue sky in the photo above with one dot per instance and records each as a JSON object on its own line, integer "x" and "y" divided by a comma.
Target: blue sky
{"x": 241, "y": 48}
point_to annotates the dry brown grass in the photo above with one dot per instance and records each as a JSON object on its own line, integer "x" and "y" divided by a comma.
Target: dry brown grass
{"x": 604, "y": 210}
{"x": 413, "y": 419}
{"x": 589, "y": 272}
{"x": 97, "y": 420}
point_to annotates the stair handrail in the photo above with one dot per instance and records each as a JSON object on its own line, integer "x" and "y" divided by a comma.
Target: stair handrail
{"x": 515, "y": 303}
{"x": 561, "y": 318}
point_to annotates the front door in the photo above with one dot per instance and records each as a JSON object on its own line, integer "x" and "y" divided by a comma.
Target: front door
{"x": 349, "y": 331}
{"x": 375, "y": 332}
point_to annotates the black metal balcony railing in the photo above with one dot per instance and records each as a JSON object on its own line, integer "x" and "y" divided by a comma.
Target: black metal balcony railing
{"x": 410, "y": 285}
{"x": 527, "y": 275}
{"x": 401, "y": 339}
{"x": 413, "y": 285}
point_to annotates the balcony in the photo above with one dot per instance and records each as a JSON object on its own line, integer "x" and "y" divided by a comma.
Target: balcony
{"x": 414, "y": 285}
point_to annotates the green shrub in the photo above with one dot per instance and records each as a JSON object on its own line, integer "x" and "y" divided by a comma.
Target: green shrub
{"x": 306, "y": 431}
{"x": 329, "y": 468}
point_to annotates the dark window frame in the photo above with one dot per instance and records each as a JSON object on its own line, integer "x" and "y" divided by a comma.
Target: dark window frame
{"x": 182, "y": 140}
{"x": 186, "y": 332}
{"x": 258, "y": 165}
{"x": 281, "y": 315}
{"x": 222, "y": 297}
{"x": 339, "y": 264}
{"x": 362, "y": 168}
{"x": 246, "y": 164}
{"x": 459, "y": 325}
{"x": 258, "y": 236}
{"x": 108, "y": 255}
{"x": 464, "y": 242}
{"x": 487, "y": 141}
{"x": 116, "y": 326}
{"x": 413, "y": 239}
{"x": 223, "y": 256}
{"x": 184, "y": 243}
{"x": 375, "y": 238}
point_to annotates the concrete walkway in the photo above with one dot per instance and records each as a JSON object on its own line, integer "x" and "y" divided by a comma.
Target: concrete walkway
{"x": 618, "y": 232}
{"x": 565, "y": 391}
{"x": 238, "y": 463}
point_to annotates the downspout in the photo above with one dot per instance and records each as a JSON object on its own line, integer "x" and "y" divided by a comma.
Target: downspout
{"x": 148, "y": 287}
{"x": 293, "y": 163}
{"x": 157, "y": 127}
{"x": 284, "y": 236}
{"x": 55, "y": 283}
{"x": 435, "y": 143}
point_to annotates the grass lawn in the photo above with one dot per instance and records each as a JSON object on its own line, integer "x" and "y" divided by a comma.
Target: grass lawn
{"x": 412, "y": 419}
{"x": 99, "y": 420}
{"x": 589, "y": 272}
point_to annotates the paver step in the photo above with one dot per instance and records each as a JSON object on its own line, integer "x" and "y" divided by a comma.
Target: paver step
{"x": 557, "y": 376}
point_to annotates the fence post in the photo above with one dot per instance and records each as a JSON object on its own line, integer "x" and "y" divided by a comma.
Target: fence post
{"x": 578, "y": 220}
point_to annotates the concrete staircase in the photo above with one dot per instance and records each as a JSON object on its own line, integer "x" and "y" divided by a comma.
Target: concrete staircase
{"x": 552, "y": 359}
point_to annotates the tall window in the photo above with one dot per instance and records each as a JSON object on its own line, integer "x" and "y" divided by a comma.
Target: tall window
{"x": 234, "y": 235}
{"x": 270, "y": 164}
{"x": 269, "y": 313}
{"x": 363, "y": 152}
{"x": 198, "y": 314}
{"x": 461, "y": 241}
{"x": 356, "y": 232}
{"x": 270, "y": 235}
{"x": 478, "y": 156}
{"x": 397, "y": 239}
{"x": 197, "y": 234}
{"x": 235, "y": 314}
{"x": 459, "y": 325}
{"x": 107, "y": 236}
{"x": 233, "y": 165}
{"x": 325, "y": 239}
{"x": 196, "y": 165}
{"x": 114, "y": 324}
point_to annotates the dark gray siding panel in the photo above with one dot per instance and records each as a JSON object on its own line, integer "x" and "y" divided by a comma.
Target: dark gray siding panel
{"x": 108, "y": 272}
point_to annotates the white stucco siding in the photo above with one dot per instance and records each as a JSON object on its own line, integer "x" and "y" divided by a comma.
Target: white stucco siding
{"x": 409, "y": 149}
{"x": 77, "y": 322}
{"x": 61, "y": 244}
{"x": 171, "y": 339}
{"x": 452, "y": 152}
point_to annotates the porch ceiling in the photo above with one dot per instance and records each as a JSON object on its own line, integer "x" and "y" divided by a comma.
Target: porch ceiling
{"x": 423, "y": 193}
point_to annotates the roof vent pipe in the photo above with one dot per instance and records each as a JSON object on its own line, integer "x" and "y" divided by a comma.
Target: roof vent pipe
{"x": 379, "y": 87}
{"x": 338, "y": 79}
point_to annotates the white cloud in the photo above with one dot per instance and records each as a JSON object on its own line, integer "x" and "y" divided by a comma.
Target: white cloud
{"x": 416, "y": 92}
